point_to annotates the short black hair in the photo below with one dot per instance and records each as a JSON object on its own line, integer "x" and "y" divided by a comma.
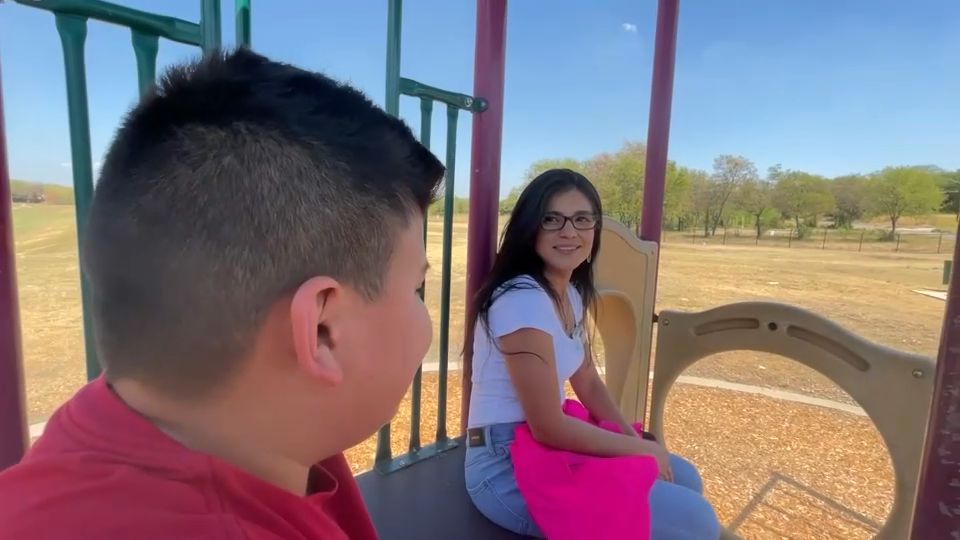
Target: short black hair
{"x": 235, "y": 179}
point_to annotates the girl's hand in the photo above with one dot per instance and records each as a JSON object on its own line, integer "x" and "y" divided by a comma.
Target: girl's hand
{"x": 663, "y": 461}
{"x": 651, "y": 448}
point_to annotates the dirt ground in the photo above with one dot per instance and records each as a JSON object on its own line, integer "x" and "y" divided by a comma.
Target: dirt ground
{"x": 773, "y": 469}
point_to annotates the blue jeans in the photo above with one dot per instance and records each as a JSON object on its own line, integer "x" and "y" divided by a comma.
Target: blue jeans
{"x": 678, "y": 510}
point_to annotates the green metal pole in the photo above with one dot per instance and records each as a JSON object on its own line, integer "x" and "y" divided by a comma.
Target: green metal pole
{"x": 243, "y": 23}
{"x": 210, "y": 25}
{"x": 394, "y": 16}
{"x": 384, "y": 452}
{"x": 145, "y": 47}
{"x": 445, "y": 271}
{"x": 170, "y": 28}
{"x": 73, "y": 34}
{"x": 426, "y": 121}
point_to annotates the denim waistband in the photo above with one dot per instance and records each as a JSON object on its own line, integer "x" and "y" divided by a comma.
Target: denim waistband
{"x": 500, "y": 433}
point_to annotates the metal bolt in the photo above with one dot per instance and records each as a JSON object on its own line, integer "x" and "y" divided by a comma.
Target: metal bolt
{"x": 918, "y": 374}
{"x": 469, "y": 102}
{"x": 665, "y": 322}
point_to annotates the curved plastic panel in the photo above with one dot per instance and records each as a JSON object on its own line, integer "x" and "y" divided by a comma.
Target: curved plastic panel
{"x": 625, "y": 275}
{"x": 869, "y": 372}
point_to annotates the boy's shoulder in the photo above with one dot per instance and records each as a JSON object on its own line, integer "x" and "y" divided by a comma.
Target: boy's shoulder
{"x": 66, "y": 496}
{"x": 69, "y": 497}
{"x": 100, "y": 471}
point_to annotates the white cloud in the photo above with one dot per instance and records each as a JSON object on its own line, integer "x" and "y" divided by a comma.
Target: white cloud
{"x": 629, "y": 27}
{"x": 69, "y": 165}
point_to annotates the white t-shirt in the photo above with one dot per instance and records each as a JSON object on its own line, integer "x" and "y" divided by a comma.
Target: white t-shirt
{"x": 494, "y": 399}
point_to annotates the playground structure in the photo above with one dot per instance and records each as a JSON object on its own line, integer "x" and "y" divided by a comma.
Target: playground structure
{"x": 920, "y": 427}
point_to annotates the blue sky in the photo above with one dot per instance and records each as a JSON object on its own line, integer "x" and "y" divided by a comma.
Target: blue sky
{"x": 818, "y": 85}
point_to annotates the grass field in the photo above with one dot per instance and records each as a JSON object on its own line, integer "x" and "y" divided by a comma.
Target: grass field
{"x": 805, "y": 460}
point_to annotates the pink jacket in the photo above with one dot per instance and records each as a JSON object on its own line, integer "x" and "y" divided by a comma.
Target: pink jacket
{"x": 574, "y": 496}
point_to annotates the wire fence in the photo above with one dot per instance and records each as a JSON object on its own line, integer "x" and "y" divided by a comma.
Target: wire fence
{"x": 860, "y": 240}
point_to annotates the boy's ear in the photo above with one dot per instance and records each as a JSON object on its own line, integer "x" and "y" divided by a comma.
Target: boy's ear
{"x": 311, "y": 311}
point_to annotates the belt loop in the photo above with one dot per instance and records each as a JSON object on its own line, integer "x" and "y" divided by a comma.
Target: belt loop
{"x": 488, "y": 438}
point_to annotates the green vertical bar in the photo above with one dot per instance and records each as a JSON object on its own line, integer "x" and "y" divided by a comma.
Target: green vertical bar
{"x": 145, "y": 46}
{"x": 210, "y": 25}
{"x": 393, "y": 57}
{"x": 426, "y": 114}
{"x": 451, "y": 164}
{"x": 426, "y": 121}
{"x": 394, "y": 10}
{"x": 73, "y": 34}
{"x": 243, "y": 23}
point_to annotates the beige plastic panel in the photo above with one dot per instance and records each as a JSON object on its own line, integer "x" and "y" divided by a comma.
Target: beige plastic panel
{"x": 625, "y": 274}
{"x": 894, "y": 388}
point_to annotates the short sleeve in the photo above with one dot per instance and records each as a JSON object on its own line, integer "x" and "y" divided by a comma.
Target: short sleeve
{"x": 523, "y": 305}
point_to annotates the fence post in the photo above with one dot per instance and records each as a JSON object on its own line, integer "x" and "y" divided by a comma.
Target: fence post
{"x": 790, "y": 239}
{"x": 693, "y": 236}
{"x": 824, "y": 245}
{"x": 724, "y": 236}
{"x": 861, "y": 240}
{"x": 898, "y": 242}
{"x": 940, "y": 243}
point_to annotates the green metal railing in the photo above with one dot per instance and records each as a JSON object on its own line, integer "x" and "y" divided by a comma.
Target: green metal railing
{"x": 146, "y": 30}
{"x": 384, "y": 462}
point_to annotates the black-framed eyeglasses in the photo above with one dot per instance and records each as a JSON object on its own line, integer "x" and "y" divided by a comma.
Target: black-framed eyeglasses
{"x": 582, "y": 221}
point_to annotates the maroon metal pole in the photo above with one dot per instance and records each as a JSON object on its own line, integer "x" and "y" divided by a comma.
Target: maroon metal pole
{"x": 658, "y": 131}
{"x": 13, "y": 421}
{"x": 488, "y": 75}
{"x": 658, "y": 128}
{"x": 937, "y": 511}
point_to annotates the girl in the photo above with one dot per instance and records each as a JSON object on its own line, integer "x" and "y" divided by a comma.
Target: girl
{"x": 527, "y": 339}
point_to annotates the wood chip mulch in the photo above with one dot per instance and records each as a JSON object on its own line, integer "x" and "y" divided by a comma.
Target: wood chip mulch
{"x": 772, "y": 469}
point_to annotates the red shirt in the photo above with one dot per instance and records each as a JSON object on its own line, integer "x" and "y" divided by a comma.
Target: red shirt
{"x": 103, "y": 471}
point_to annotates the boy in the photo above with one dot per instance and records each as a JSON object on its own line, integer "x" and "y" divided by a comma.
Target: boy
{"x": 254, "y": 251}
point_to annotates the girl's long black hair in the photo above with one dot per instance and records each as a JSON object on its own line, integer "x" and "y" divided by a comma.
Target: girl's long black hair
{"x": 518, "y": 255}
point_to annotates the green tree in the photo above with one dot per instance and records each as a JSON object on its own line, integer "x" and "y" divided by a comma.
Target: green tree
{"x": 950, "y": 184}
{"x": 904, "y": 191}
{"x": 508, "y": 202}
{"x": 621, "y": 184}
{"x": 799, "y": 195}
{"x": 702, "y": 199}
{"x": 676, "y": 197}
{"x": 850, "y": 194}
{"x": 756, "y": 198}
{"x": 536, "y": 169}
{"x": 461, "y": 206}
{"x": 729, "y": 173}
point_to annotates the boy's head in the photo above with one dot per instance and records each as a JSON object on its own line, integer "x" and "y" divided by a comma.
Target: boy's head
{"x": 256, "y": 231}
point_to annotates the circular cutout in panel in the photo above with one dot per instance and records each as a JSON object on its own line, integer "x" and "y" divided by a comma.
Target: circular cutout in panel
{"x": 783, "y": 451}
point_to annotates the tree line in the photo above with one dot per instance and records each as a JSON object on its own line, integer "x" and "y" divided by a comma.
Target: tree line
{"x": 735, "y": 192}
